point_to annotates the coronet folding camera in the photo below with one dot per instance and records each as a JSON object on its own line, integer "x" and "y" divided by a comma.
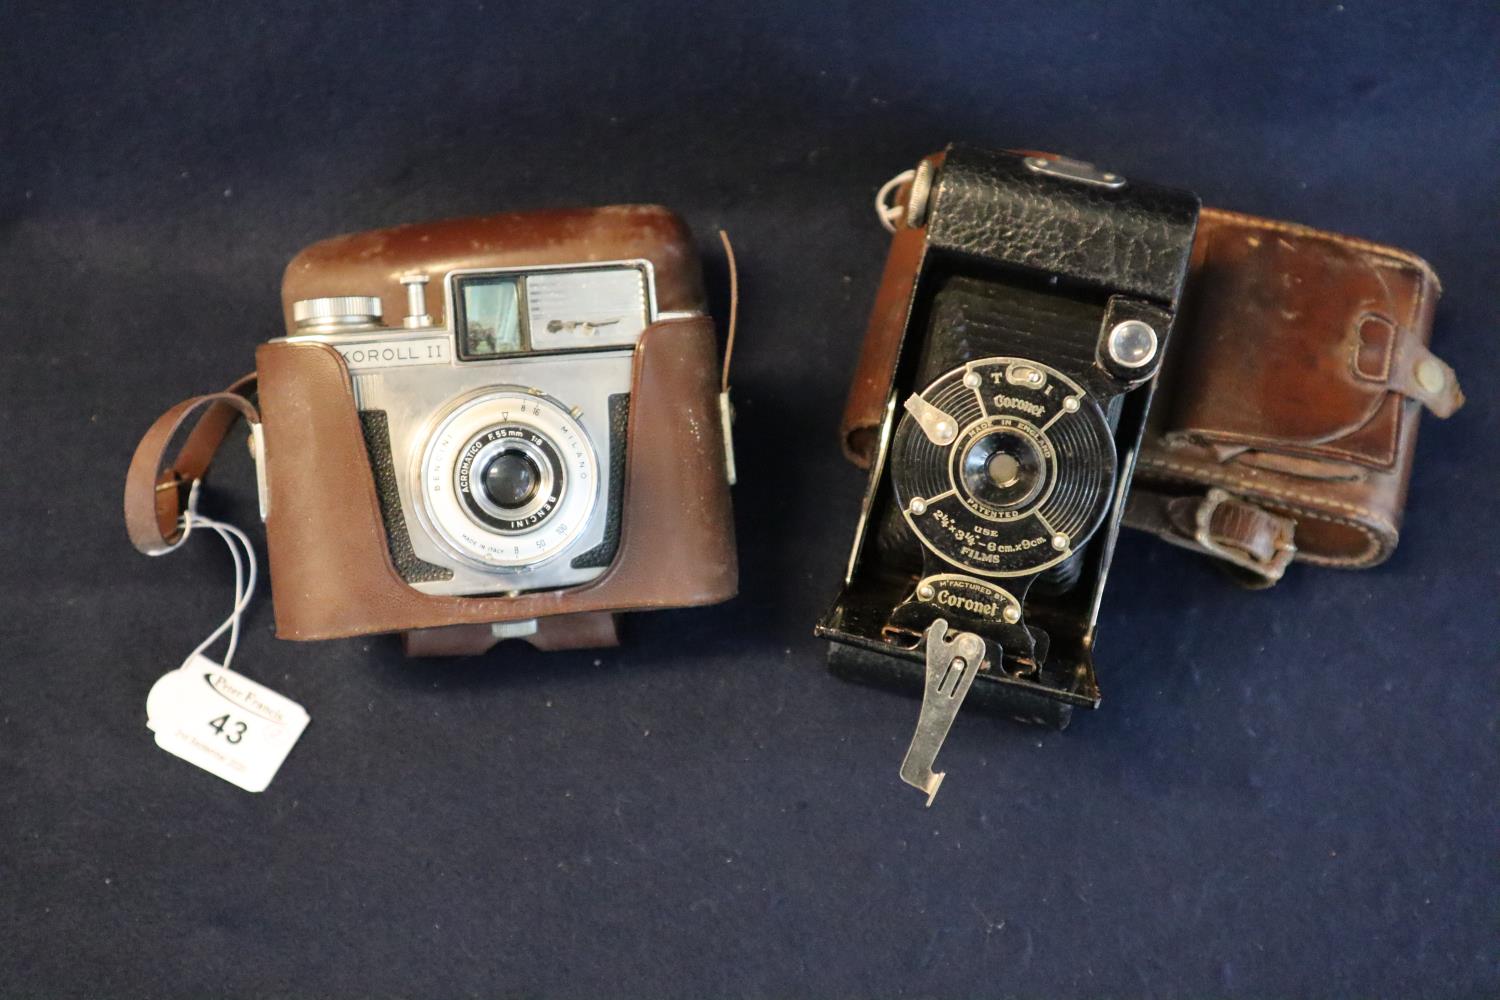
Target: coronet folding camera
{"x": 1039, "y": 296}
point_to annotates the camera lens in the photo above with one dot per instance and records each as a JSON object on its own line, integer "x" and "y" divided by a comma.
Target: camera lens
{"x": 510, "y": 480}
{"x": 1003, "y": 469}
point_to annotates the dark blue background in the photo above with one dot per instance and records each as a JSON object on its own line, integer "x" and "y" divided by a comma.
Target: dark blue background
{"x": 1285, "y": 793}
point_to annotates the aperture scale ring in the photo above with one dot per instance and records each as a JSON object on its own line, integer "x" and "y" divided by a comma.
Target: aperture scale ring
{"x": 441, "y": 506}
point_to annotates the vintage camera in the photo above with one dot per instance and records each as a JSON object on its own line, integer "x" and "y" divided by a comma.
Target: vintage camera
{"x": 536, "y": 440}
{"x": 542, "y": 448}
{"x": 1026, "y": 309}
{"x": 540, "y": 444}
{"x": 496, "y": 431}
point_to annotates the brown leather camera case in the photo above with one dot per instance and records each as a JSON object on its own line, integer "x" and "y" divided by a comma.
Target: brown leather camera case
{"x": 331, "y": 569}
{"x": 1286, "y": 424}
{"x": 1288, "y": 421}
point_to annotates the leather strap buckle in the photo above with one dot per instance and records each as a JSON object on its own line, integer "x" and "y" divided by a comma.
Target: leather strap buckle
{"x": 173, "y": 482}
{"x": 1269, "y": 569}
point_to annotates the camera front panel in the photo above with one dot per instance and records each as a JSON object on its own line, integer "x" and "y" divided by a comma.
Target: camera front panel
{"x": 1040, "y": 309}
{"x": 497, "y": 437}
{"x": 1002, "y": 467}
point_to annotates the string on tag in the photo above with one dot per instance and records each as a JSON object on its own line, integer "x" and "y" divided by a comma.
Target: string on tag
{"x": 244, "y": 582}
{"x": 245, "y": 571}
{"x": 726, "y": 408}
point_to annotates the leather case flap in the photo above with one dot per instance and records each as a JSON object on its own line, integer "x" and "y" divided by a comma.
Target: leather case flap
{"x": 1253, "y": 385}
{"x": 1133, "y": 240}
{"x": 357, "y": 263}
{"x": 992, "y": 206}
{"x": 1288, "y": 423}
{"x": 331, "y": 568}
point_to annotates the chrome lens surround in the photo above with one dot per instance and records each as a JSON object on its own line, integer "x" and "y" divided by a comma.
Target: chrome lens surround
{"x": 471, "y": 433}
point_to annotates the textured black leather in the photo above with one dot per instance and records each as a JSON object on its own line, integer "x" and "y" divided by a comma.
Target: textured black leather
{"x": 604, "y": 553}
{"x": 1134, "y": 240}
{"x": 991, "y": 691}
{"x": 412, "y": 568}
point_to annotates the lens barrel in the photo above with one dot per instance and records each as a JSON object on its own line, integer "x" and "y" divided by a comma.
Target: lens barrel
{"x": 510, "y": 480}
{"x": 1003, "y": 469}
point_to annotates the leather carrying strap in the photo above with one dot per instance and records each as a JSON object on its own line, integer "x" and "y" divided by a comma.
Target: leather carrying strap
{"x": 1258, "y": 544}
{"x": 154, "y": 500}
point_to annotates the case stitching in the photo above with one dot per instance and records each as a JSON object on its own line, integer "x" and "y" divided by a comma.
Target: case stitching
{"x": 1227, "y": 480}
{"x": 1387, "y": 362}
{"x": 1353, "y": 242}
{"x": 1325, "y": 446}
{"x": 1377, "y": 542}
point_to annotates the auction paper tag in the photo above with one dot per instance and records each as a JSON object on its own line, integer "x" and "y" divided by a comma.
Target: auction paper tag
{"x": 224, "y": 722}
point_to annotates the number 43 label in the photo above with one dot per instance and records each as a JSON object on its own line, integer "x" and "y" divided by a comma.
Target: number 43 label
{"x": 224, "y": 722}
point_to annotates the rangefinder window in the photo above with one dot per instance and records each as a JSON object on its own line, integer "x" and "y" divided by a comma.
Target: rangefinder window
{"x": 489, "y": 317}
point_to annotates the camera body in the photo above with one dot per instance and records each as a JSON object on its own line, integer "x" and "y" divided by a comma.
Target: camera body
{"x": 508, "y": 426}
{"x": 1029, "y": 301}
{"x": 497, "y": 432}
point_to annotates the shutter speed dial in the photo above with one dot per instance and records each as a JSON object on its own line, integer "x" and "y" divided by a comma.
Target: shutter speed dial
{"x": 336, "y": 312}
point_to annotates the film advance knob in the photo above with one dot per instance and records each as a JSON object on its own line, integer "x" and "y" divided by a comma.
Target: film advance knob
{"x": 338, "y": 311}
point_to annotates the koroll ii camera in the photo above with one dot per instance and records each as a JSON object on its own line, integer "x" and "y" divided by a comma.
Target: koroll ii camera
{"x": 1025, "y": 310}
{"x": 477, "y": 429}
{"x": 493, "y": 428}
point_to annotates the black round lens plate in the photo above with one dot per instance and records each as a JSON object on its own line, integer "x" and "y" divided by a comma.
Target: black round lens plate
{"x": 1064, "y": 458}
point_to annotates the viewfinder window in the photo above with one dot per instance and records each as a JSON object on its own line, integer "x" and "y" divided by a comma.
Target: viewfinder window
{"x": 489, "y": 320}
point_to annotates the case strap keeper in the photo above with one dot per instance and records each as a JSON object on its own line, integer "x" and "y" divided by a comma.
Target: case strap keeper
{"x": 1235, "y": 531}
{"x": 154, "y": 501}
